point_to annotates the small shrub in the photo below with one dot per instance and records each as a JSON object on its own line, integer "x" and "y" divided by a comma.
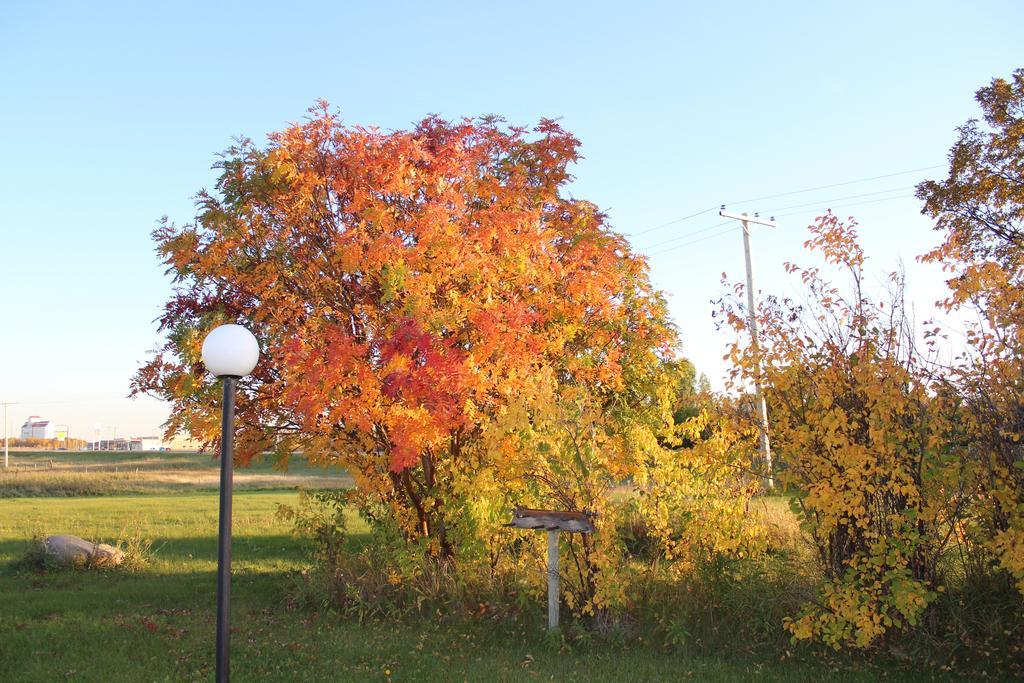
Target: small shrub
{"x": 35, "y": 559}
{"x": 720, "y": 605}
{"x": 320, "y": 516}
{"x": 137, "y": 551}
{"x": 389, "y": 577}
{"x": 977, "y": 617}
{"x": 636, "y": 535}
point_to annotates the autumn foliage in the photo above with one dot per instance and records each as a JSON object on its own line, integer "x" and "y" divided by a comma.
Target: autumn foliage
{"x": 979, "y": 208}
{"x": 905, "y": 469}
{"x": 427, "y": 302}
{"x": 440, "y": 319}
{"x": 860, "y": 441}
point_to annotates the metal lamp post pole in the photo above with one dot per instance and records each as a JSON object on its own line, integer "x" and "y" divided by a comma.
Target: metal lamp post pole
{"x": 230, "y": 352}
{"x": 227, "y": 455}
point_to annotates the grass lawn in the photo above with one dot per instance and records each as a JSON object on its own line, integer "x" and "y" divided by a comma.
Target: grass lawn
{"x": 63, "y": 473}
{"x": 156, "y": 624}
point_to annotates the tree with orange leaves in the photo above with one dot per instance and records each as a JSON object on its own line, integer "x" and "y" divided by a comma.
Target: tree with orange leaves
{"x": 408, "y": 289}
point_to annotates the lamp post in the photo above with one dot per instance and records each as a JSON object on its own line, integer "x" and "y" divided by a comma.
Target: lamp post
{"x": 230, "y": 352}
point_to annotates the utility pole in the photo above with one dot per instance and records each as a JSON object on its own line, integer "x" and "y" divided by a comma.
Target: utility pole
{"x": 761, "y": 406}
{"x": 6, "y": 437}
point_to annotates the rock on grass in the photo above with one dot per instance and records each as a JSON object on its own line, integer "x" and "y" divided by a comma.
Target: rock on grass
{"x": 66, "y": 549}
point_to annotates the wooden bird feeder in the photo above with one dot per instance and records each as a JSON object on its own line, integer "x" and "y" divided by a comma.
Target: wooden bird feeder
{"x": 553, "y": 521}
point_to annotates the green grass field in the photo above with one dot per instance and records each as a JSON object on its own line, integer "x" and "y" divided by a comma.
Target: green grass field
{"x": 58, "y": 473}
{"x": 156, "y": 623}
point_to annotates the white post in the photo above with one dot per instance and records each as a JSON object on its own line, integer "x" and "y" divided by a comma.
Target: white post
{"x": 5, "y": 436}
{"x": 762, "y": 408}
{"x": 552, "y": 580}
{"x": 760, "y": 405}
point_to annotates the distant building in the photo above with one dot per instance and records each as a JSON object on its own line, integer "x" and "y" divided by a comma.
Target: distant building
{"x": 183, "y": 442}
{"x": 135, "y": 443}
{"x": 145, "y": 443}
{"x": 36, "y": 427}
{"x": 118, "y": 444}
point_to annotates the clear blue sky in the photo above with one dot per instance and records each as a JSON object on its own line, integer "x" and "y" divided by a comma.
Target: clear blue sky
{"x": 113, "y": 113}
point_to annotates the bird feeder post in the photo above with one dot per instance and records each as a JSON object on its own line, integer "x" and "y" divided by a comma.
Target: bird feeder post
{"x": 554, "y": 522}
{"x": 553, "y": 596}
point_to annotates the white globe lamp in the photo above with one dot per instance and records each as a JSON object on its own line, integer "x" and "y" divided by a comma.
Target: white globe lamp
{"x": 230, "y": 351}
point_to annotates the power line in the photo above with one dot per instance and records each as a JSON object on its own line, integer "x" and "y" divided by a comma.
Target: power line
{"x": 672, "y": 222}
{"x": 686, "y": 244}
{"x": 822, "y": 202}
{"x": 726, "y": 232}
{"x": 785, "y": 194}
{"x": 843, "y": 206}
{"x": 783, "y": 208}
{"x": 825, "y": 187}
{"x": 686, "y": 234}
